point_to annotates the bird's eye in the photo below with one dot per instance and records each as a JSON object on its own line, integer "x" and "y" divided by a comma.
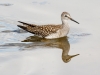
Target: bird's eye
{"x": 65, "y": 15}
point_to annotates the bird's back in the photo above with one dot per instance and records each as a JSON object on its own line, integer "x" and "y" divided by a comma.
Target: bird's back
{"x": 40, "y": 30}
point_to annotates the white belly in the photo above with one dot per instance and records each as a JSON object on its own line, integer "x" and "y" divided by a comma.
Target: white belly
{"x": 58, "y": 34}
{"x": 51, "y": 36}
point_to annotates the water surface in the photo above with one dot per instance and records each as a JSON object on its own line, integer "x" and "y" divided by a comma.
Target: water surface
{"x": 22, "y": 53}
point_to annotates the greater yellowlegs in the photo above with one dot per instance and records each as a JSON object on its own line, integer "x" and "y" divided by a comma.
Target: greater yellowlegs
{"x": 49, "y": 31}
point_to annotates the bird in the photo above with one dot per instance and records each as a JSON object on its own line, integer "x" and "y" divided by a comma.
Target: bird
{"x": 49, "y": 31}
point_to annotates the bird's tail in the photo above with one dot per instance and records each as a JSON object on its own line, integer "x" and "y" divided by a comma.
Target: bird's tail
{"x": 26, "y": 26}
{"x": 23, "y": 27}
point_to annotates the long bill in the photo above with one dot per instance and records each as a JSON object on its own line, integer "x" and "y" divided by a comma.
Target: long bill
{"x": 74, "y": 20}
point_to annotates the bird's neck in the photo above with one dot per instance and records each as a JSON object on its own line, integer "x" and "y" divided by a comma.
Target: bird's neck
{"x": 64, "y": 22}
{"x": 65, "y": 26}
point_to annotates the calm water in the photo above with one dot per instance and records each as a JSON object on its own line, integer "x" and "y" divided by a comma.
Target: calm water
{"x": 75, "y": 52}
{"x": 21, "y": 53}
{"x": 11, "y": 42}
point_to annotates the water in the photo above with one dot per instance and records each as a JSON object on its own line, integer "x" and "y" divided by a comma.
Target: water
{"x": 32, "y": 42}
{"x": 22, "y": 53}
{"x": 30, "y": 50}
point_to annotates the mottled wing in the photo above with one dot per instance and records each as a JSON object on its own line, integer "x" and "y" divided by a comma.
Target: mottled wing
{"x": 46, "y": 30}
{"x": 43, "y": 30}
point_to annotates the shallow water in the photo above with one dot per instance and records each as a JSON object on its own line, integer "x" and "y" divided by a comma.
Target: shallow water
{"x": 29, "y": 51}
{"x": 22, "y": 53}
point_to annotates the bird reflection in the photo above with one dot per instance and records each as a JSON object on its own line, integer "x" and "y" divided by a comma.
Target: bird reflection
{"x": 61, "y": 43}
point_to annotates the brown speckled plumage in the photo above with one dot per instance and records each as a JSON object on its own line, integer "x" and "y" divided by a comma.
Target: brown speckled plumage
{"x": 43, "y": 30}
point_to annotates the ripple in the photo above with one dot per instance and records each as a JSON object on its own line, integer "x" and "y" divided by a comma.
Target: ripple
{"x": 5, "y": 4}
